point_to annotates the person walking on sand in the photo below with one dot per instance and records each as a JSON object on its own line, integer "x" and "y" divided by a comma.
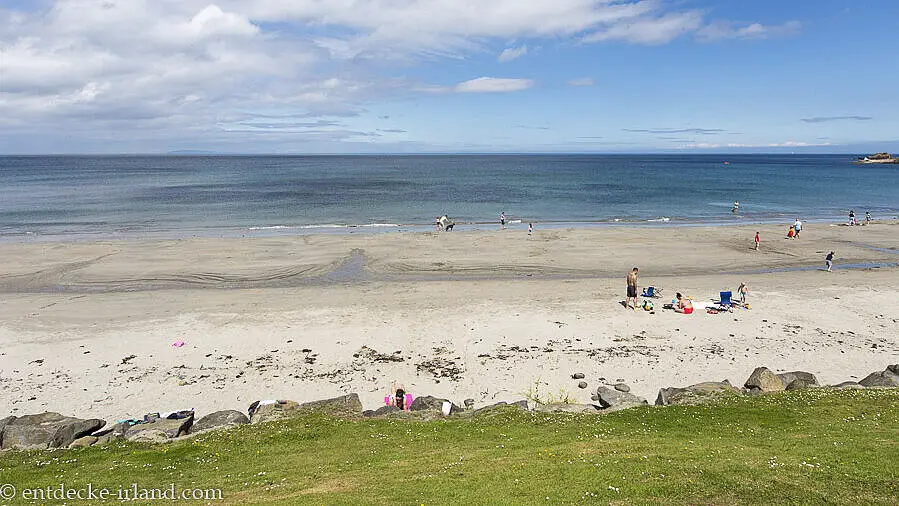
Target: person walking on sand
{"x": 502, "y": 220}
{"x": 829, "y": 261}
{"x": 797, "y": 227}
{"x": 631, "y": 289}
{"x": 757, "y": 241}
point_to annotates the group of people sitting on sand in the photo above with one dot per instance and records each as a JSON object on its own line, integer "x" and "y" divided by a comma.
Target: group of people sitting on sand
{"x": 680, "y": 304}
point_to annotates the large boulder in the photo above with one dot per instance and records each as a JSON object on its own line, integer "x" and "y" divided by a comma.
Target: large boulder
{"x": 763, "y": 380}
{"x": 616, "y": 399}
{"x": 345, "y": 405}
{"x": 429, "y": 403}
{"x": 159, "y": 429}
{"x": 798, "y": 380}
{"x": 886, "y": 378}
{"x": 46, "y": 430}
{"x": 695, "y": 394}
{"x": 220, "y": 419}
{"x": 274, "y": 411}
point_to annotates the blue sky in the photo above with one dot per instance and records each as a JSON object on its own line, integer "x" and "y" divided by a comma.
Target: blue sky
{"x": 338, "y": 76}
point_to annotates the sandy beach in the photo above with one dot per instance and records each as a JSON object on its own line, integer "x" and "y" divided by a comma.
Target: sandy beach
{"x": 86, "y": 328}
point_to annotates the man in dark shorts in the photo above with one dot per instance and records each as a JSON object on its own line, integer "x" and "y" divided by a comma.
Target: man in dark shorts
{"x": 631, "y": 289}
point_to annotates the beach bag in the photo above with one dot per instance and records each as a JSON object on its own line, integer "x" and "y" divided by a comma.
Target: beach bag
{"x": 647, "y": 305}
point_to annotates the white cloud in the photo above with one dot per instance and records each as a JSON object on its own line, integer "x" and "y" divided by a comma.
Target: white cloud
{"x": 493, "y": 85}
{"x": 720, "y": 30}
{"x": 583, "y": 81}
{"x": 786, "y": 144}
{"x": 512, "y": 53}
{"x": 650, "y": 30}
{"x": 151, "y": 70}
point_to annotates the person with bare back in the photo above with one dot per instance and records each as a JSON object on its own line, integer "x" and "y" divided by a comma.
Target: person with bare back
{"x": 631, "y": 289}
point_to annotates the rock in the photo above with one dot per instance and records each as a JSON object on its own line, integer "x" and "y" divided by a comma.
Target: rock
{"x": 578, "y": 376}
{"x": 763, "y": 380}
{"x": 695, "y": 394}
{"x": 84, "y": 442}
{"x": 107, "y": 438}
{"x": 159, "y": 430}
{"x": 382, "y": 411}
{"x": 46, "y": 430}
{"x": 274, "y": 411}
{"x": 429, "y": 403}
{"x": 893, "y": 368}
{"x": 798, "y": 380}
{"x": 621, "y": 387}
{"x": 609, "y": 398}
{"x": 149, "y": 436}
{"x": 566, "y": 408}
{"x": 848, "y": 384}
{"x": 582, "y": 384}
{"x": 220, "y": 419}
{"x": 343, "y": 406}
{"x": 468, "y": 403}
{"x": 885, "y": 378}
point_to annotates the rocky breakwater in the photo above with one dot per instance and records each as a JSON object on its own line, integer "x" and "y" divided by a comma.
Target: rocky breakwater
{"x": 54, "y": 431}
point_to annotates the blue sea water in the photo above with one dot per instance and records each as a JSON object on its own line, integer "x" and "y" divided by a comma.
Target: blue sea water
{"x": 176, "y": 196}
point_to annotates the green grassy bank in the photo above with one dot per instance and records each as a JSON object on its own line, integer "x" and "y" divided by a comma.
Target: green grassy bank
{"x": 814, "y": 447}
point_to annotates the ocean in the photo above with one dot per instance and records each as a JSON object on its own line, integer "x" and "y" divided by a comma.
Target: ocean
{"x": 108, "y": 197}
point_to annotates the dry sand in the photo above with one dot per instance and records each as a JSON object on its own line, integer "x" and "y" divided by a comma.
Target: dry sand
{"x": 485, "y": 315}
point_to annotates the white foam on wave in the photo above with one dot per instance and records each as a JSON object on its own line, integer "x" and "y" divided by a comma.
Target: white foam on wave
{"x": 372, "y": 225}
{"x": 272, "y": 227}
{"x": 663, "y": 219}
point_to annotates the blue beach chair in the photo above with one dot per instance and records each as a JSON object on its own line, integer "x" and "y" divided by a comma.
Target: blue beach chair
{"x": 651, "y": 291}
{"x": 725, "y": 299}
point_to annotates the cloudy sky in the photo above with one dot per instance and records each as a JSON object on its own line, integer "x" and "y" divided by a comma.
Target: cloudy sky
{"x": 357, "y": 76}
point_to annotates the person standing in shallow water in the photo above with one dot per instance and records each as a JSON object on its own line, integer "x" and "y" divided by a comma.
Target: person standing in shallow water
{"x": 631, "y": 289}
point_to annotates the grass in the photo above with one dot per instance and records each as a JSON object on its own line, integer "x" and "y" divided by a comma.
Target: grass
{"x": 802, "y": 447}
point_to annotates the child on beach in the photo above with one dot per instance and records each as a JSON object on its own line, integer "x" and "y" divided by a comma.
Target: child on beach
{"x": 530, "y": 229}
{"x": 791, "y": 233}
{"x": 757, "y": 241}
{"x": 744, "y": 292}
{"x": 829, "y": 261}
{"x": 684, "y": 306}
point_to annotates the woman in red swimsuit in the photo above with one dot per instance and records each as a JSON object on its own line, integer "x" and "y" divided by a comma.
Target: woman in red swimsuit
{"x": 684, "y": 306}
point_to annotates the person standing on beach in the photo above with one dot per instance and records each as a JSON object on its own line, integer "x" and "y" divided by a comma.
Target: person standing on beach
{"x": 631, "y": 289}
{"x": 867, "y": 217}
{"x": 829, "y": 261}
{"x": 502, "y": 220}
{"x": 797, "y": 227}
{"x": 757, "y": 241}
{"x": 530, "y": 229}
